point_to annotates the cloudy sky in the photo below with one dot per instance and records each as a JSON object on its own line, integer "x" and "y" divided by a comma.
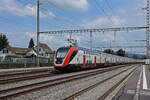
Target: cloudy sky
{"x": 18, "y": 20}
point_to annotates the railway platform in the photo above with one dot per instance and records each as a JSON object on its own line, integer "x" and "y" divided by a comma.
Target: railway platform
{"x": 137, "y": 86}
{"x": 25, "y": 69}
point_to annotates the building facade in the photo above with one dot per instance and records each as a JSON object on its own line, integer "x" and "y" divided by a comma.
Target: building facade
{"x": 45, "y": 51}
{"x": 16, "y": 51}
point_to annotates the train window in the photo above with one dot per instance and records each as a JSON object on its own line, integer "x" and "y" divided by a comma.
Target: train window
{"x": 62, "y": 52}
{"x": 77, "y": 59}
{"x": 84, "y": 52}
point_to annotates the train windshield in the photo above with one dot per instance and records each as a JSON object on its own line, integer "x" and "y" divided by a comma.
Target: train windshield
{"x": 62, "y": 52}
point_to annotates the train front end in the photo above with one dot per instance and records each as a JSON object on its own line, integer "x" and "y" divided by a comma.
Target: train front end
{"x": 62, "y": 57}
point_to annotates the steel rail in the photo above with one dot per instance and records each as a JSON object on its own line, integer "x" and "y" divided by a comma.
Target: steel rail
{"x": 22, "y": 73}
{"x": 115, "y": 86}
{"x": 50, "y": 83}
{"x": 72, "y": 97}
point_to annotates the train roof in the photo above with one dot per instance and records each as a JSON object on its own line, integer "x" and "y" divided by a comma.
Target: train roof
{"x": 101, "y": 52}
{"x": 98, "y": 52}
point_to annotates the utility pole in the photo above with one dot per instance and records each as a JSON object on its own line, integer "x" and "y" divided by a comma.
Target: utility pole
{"x": 148, "y": 30}
{"x": 91, "y": 40}
{"x": 38, "y": 14}
{"x": 114, "y": 36}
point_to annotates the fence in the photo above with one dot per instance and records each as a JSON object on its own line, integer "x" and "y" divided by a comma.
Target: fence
{"x": 23, "y": 62}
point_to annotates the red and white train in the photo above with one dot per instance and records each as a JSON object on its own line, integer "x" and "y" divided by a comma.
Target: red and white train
{"x": 71, "y": 57}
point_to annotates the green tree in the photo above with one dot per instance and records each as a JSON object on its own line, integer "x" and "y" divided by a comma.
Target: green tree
{"x": 126, "y": 55}
{"x": 31, "y": 43}
{"x": 3, "y": 41}
{"x": 120, "y": 52}
{"x": 110, "y": 51}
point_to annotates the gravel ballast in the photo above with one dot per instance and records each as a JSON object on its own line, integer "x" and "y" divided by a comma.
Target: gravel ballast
{"x": 64, "y": 90}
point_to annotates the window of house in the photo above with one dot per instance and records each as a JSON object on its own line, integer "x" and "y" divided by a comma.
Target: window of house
{"x": 5, "y": 51}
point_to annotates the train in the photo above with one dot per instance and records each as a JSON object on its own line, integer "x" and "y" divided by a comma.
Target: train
{"x": 78, "y": 58}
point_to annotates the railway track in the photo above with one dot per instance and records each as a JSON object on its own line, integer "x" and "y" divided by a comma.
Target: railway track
{"x": 114, "y": 87}
{"x": 27, "y": 77}
{"x": 79, "y": 93}
{"x": 16, "y": 91}
{"x": 25, "y": 72}
{"x": 18, "y": 77}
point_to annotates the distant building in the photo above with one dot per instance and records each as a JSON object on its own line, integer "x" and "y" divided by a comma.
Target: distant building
{"x": 21, "y": 52}
{"x": 45, "y": 51}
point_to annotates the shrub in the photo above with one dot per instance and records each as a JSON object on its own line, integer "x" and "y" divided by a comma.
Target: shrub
{"x": 12, "y": 56}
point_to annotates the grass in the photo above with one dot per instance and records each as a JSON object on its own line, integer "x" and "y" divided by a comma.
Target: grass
{"x": 12, "y": 56}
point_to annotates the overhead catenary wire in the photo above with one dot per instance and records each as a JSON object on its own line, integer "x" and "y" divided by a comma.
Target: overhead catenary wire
{"x": 102, "y": 9}
{"x": 62, "y": 18}
{"x": 19, "y": 24}
{"x": 67, "y": 20}
{"x": 15, "y": 22}
{"x": 110, "y": 7}
{"x": 54, "y": 18}
{"x": 27, "y": 2}
{"x": 56, "y": 7}
{"x": 75, "y": 25}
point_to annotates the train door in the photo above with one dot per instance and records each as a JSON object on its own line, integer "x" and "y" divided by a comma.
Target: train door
{"x": 95, "y": 61}
{"x": 84, "y": 61}
{"x": 100, "y": 59}
{"x": 105, "y": 62}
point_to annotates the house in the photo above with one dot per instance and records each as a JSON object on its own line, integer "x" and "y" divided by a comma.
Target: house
{"x": 21, "y": 52}
{"x": 45, "y": 50}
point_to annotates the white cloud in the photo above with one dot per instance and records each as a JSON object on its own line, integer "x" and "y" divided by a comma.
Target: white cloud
{"x": 118, "y": 21}
{"x": 122, "y": 11}
{"x": 104, "y": 22}
{"x": 19, "y": 9}
{"x": 53, "y": 41}
{"x": 28, "y": 34}
{"x": 69, "y": 5}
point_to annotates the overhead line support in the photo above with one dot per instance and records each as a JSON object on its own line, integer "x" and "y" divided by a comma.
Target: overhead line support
{"x": 148, "y": 30}
{"x": 93, "y": 30}
{"x": 38, "y": 33}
